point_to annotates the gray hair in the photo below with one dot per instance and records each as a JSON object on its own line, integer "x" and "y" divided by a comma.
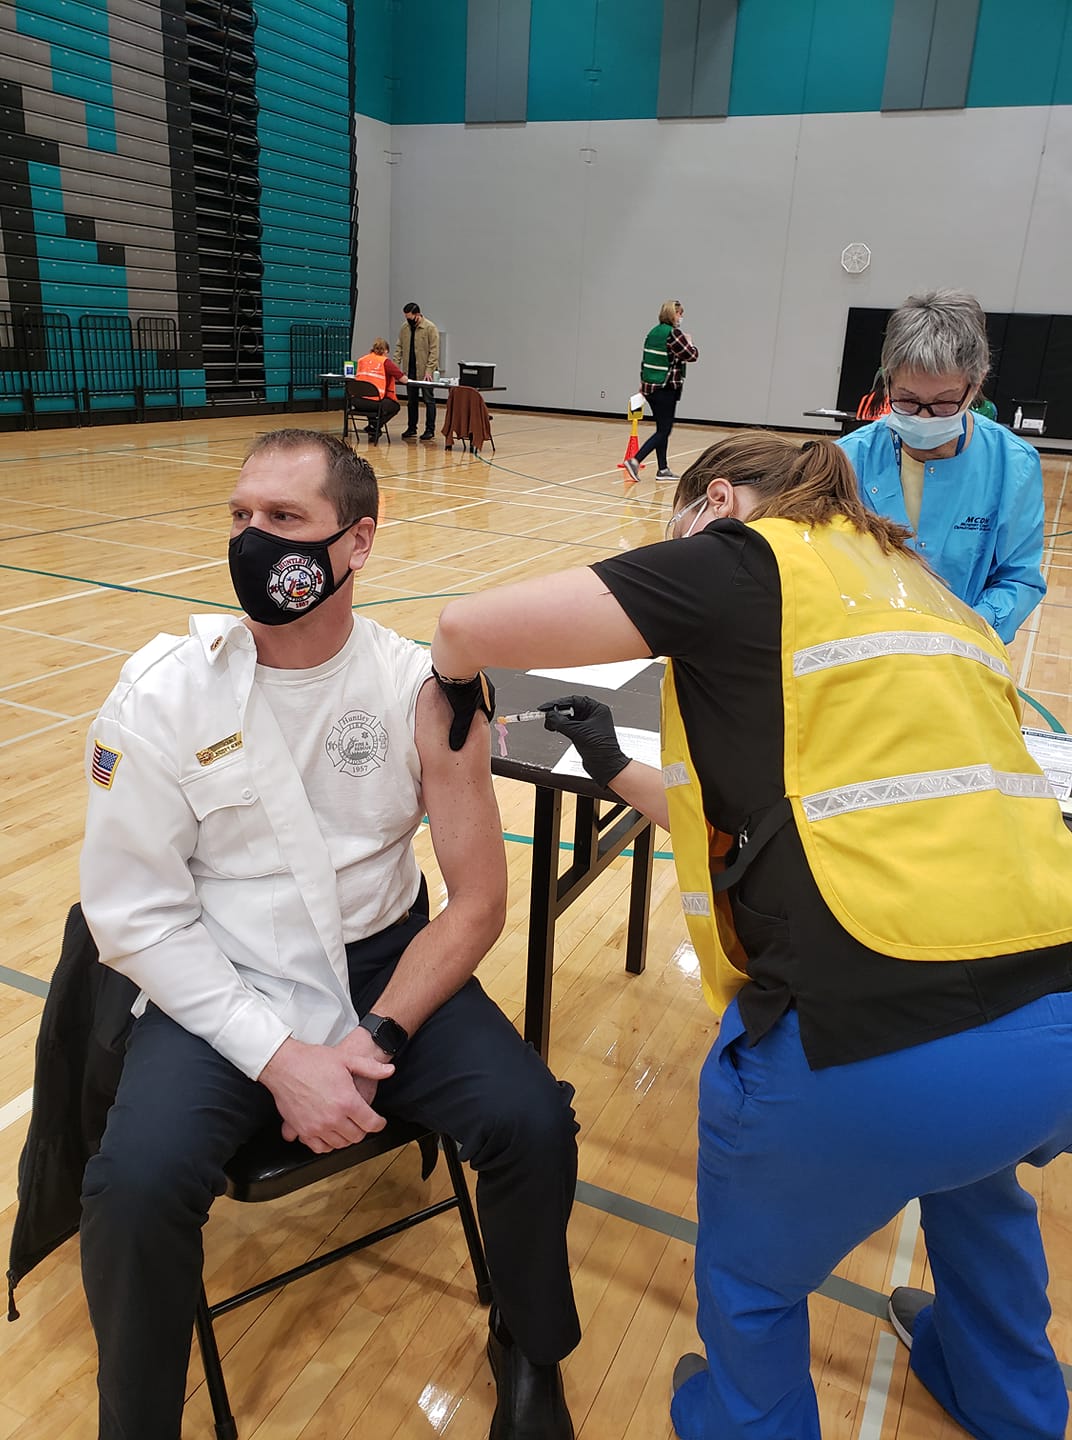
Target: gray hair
{"x": 941, "y": 332}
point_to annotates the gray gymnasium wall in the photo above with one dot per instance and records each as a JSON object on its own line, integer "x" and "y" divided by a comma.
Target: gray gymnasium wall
{"x": 548, "y": 247}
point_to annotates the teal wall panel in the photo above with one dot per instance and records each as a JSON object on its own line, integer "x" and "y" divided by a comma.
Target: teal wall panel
{"x": 600, "y": 59}
{"x": 1062, "y": 89}
{"x": 770, "y": 59}
{"x": 847, "y": 60}
{"x": 1018, "y": 53}
{"x": 430, "y": 61}
{"x": 594, "y": 60}
{"x": 374, "y": 57}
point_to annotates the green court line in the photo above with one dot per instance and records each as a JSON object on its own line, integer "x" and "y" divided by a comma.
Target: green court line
{"x": 1051, "y": 720}
{"x": 215, "y": 604}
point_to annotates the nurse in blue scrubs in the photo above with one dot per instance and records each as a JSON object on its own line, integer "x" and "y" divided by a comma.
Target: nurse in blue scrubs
{"x": 969, "y": 488}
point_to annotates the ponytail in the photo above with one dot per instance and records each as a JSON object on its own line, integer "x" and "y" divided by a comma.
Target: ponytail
{"x": 811, "y": 483}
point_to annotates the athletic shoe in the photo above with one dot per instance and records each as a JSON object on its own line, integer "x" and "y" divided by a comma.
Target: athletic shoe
{"x": 688, "y": 1366}
{"x": 409, "y": 434}
{"x": 428, "y": 435}
{"x": 631, "y": 468}
{"x": 665, "y": 475}
{"x": 903, "y": 1310}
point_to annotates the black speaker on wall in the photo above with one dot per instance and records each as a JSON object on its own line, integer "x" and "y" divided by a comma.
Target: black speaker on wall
{"x": 1030, "y": 359}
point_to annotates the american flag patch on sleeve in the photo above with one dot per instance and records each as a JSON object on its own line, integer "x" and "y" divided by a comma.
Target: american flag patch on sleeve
{"x": 104, "y": 764}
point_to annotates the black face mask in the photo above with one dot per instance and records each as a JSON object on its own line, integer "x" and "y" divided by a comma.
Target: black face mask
{"x": 278, "y": 580}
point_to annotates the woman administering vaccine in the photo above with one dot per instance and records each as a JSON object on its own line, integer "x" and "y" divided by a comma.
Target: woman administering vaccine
{"x": 896, "y": 1013}
{"x": 969, "y": 489}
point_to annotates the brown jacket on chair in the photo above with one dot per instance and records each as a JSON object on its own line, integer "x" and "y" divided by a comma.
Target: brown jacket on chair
{"x": 467, "y": 417}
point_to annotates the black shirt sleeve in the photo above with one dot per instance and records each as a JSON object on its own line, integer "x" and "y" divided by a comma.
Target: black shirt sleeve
{"x": 686, "y": 596}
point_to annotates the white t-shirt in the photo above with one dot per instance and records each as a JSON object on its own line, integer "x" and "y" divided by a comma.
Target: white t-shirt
{"x": 349, "y": 726}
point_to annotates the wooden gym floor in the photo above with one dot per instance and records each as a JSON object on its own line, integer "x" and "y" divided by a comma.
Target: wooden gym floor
{"x": 112, "y": 534}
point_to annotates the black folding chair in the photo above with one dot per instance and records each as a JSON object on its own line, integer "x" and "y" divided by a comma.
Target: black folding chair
{"x": 268, "y": 1167}
{"x": 364, "y": 402}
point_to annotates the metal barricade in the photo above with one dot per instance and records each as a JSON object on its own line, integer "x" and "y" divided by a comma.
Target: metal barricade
{"x": 108, "y": 366}
{"x": 48, "y": 364}
{"x": 157, "y": 353}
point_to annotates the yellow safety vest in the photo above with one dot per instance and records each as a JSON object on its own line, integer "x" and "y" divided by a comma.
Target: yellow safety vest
{"x": 929, "y": 830}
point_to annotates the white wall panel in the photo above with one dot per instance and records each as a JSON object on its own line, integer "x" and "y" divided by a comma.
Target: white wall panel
{"x": 548, "y": 247}
{"x": 373, "y": 315}
{"x": 1045, "y": 278}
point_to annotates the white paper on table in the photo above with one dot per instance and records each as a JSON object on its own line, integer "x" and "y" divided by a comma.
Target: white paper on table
{"x": 611, "y": 676}
{"x": 1052, "y": 753}
{"x": 642, "y": 745}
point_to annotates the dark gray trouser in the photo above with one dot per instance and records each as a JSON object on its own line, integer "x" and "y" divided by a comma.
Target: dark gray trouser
{"x": 413, "y": 412}
{"x": 181, "y": 1112}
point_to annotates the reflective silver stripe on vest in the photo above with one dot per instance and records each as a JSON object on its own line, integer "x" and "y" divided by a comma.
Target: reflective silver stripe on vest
{"x": 892, "y": 642}
{"x": 676, "y": 774}
{"x": 926, "y": 785}
{"x": 695, "y": 902}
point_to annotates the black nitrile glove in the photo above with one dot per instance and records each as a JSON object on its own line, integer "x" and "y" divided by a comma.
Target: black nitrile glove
{"x": 466, "y": 697}
{"x": 591, "y": 729}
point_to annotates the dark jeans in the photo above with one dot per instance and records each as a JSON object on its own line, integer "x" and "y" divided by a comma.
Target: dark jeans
{"x": 385, "y": 409}
{"x": 414, "y": 409}
{"x": 663, "y": 407}
{"x": 181, "y": 1112}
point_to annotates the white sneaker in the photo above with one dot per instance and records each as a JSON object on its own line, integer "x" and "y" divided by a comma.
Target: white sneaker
{"x": 665, "y": 475}
{"x": 631, "y": 468}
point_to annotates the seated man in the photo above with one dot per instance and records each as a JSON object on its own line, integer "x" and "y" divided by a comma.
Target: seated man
{"x": 380, "y": 370}
{"x": 254, "y": 790}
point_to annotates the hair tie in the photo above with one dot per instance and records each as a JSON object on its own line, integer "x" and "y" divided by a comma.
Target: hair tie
{"x": 809, "y": 445}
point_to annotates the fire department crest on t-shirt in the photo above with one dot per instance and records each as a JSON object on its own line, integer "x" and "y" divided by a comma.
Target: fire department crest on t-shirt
{"x": 357, "y": 744}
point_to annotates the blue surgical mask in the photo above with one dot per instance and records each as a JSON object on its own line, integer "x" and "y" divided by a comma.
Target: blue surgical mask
{"x": 927, "y": 432}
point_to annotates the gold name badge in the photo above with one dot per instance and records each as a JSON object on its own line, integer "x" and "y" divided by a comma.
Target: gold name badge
{"x": 221, "y": 748}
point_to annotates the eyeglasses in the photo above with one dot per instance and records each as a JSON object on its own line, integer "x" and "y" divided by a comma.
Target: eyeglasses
{"x": 937, "y": 409}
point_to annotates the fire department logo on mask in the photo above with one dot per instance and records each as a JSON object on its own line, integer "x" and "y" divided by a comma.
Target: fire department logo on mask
{"x": 357, "y": 743}
{"x": 295, "y": 582}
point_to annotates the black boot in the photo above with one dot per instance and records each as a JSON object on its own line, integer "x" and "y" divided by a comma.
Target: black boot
{"x": 531, "y": 1404}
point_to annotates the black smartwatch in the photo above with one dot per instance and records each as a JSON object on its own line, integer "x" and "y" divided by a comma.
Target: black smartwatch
{"x": 387, "y": 1033}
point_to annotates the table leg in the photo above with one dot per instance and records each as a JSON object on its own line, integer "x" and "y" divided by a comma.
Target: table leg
{"x": 636, "y": 944}
{"x": 543, "y": 912}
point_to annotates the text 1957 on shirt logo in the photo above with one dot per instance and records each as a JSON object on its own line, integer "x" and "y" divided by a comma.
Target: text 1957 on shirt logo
{"x": 295, "y": 582}
{"x": 357, "y": 743}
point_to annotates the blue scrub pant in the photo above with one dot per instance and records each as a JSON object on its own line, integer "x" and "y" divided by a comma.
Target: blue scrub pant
{"x": 796, "y": 1167}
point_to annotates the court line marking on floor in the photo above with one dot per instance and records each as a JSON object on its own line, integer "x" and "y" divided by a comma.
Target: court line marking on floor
{"x": 100, "y": 587}
{"x": 65, "y": 639}
{"x": 45, "y": 675}
{"x": 878, "y": 1388}
{"x": 648, "y": 1217}
{"x": 16, "y": 1109}
{"x": 43, "y": 730}
{"x": 34, "y": 709}
{"x": 20, "y": 981}
{"x": 1029, "y": 648}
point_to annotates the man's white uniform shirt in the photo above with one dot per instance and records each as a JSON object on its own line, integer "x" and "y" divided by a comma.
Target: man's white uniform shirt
{"x": 244, "y": 824}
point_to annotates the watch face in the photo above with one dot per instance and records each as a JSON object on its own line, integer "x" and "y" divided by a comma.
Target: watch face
{"x": 387, "y": 1033}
